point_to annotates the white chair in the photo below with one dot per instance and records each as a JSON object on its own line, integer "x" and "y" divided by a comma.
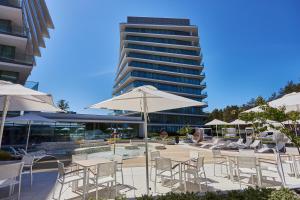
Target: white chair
{"x": 272, "y": 167}
{"x": 196, "y": 171}
{"x": 164, "y": 169}
{"x": 66, "y": 177}
{"x": 153, "y": 156}
{"x": 219, "y": 160}
{"x": 105, "y": 174}
{"x": 247, "y": 165}
{"x": 11, "y": 175}
{"x": 293, "y": 159}
{"x": 28, "y": 164}
{"x": 119, "y": 160}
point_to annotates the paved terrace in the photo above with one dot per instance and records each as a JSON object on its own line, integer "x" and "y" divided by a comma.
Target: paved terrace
{"x": 134, "y": 179}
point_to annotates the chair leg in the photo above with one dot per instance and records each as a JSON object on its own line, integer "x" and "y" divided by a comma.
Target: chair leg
{"x": 151, "y": 171}
{"x": 31, "y": 176}
{"x": 171, "y": 181}
{"x": 205, "y": 179}
{"x": 214, "y": 169}
{"x": 155, "y": 179}
{"x": 238, "y": 173}
{"x": 19, "y": 191}
{"x": 122, "y": 176}
{"x": 62, "y": 185}
{"x": 185, "y": 182}
{"x": 96, "y": 189}
{"x": 221, "y": 169}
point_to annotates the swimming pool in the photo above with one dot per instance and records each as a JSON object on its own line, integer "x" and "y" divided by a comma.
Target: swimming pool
{"x": 125, "y": 151}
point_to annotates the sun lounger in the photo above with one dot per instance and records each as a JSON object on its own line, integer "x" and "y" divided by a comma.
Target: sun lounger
{"x": 255, "y": 145}
{"x": 215, "y": 141}
{"x": 247, "y": 144}
{"x": 220, "y": 145}
{"x": 233, "y": 145}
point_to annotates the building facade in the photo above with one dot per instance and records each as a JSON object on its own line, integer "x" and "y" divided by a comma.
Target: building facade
{"x": 23, "y": 26}
{"x": 164, "y": 53}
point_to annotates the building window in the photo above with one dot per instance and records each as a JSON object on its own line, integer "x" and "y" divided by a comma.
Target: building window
{"x": 5, "y": 25}
{"x": 7, "y": 51}
{"x": 9, "y": 76}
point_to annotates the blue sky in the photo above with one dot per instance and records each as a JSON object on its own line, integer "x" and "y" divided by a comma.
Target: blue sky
{"x": 250, "y": 48}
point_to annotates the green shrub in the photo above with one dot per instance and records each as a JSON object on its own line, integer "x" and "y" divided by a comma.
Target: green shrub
{"x": 5, "y": 155}
{"x": 283, "y": 194}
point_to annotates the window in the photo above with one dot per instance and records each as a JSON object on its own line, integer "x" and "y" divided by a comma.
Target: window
{"x": 9, "y": 76}
{"x": 156, "y": 31}
{"x": 164, "y": 58}
{"x": 159, "y": 40}
{"x": 163, "y": 49}
{"x": 7, "y": 51}
{"x": 5, "y": 25}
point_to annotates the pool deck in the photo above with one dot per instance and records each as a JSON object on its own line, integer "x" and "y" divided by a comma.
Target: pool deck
{"x": 134, "y": 177}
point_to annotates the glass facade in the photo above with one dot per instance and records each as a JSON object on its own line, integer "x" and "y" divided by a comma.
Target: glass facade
{"x": 185, "y": 77}
{"x": 165, "y": 67}
{"x": 164, "y": 58}
{"x": 159, "y": 40}
{"x": 157, "y": 31}
{"x": 163, "y": 49}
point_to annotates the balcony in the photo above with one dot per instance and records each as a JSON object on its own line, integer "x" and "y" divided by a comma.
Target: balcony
{"x": 22, "y": 59}
{"x": 14, "y": 30}
{"x": 12, "y": 3}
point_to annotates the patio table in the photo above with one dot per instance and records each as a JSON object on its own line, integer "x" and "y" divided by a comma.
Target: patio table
{"x": 180, "y": 162}
{"x": 86, "y": 164}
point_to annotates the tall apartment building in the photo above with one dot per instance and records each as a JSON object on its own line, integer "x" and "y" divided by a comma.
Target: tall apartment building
{"x": 164, "y": 53}
{"x": 23, "y": 26}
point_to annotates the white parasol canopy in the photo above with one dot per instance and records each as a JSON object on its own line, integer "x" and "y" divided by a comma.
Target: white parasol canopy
{"x": 216, "y": 122}
{"x": 15, "y": 97}
{"x": 238, "y": 122}
{"x": 290, "y": 101}
{"x": 146, "y": 99}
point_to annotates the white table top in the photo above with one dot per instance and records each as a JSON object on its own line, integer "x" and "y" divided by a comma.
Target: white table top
{"x": 91, "y": 162}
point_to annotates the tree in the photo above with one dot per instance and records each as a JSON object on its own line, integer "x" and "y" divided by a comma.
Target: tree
{"x": 185, "y": 130}
{"x": 260, "y": 121}
{"x": 63, "y": 105}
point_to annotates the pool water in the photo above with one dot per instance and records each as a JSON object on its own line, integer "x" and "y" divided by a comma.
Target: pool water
{"x": 122, "y": 151}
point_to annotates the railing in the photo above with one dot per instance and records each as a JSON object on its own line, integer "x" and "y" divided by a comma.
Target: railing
{"x": 14, "y": 30}
{"x": 18, "y": 59}
{"x": 32, "y": 85}
{"x": 13, "y": 3}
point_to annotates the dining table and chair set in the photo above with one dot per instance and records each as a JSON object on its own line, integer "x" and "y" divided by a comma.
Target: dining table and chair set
{"x": 85, "y": 174}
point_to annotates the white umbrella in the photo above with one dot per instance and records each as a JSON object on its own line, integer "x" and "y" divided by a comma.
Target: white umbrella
{"x": 15, "y": 97}
{"x": 238, "y": 122}
{"x": 29, "y": 118}
{"x": 146, "y": 99}
{"x": 290, "y": 101}
{"x": 216, "y": 123}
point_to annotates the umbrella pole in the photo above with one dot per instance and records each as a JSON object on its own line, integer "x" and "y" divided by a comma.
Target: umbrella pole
{"x": 239, "y": 130}
{"x": 28, "y": 132}
{"x": 4, "y": 113}
{"x": 146, "y": 140}
{"x": 217, "y": 131}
